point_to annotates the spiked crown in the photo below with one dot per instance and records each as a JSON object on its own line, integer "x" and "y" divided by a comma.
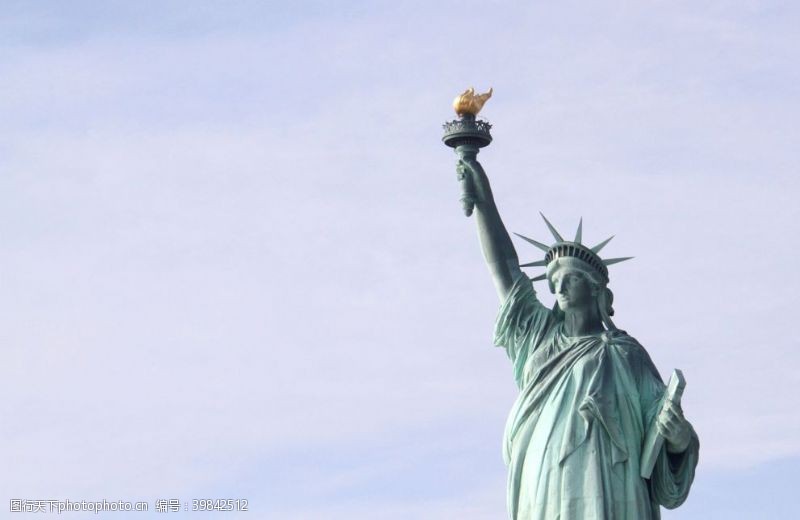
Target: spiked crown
{"x": 588, "y": 257}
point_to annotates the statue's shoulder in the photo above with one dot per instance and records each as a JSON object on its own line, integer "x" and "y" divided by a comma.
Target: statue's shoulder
{"x": 621, "y": 339}
{"x": 629, "y": 348}
{"x": 627, "y": 345}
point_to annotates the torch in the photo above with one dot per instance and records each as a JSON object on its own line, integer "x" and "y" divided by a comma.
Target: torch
{"x": 468, "y": 135}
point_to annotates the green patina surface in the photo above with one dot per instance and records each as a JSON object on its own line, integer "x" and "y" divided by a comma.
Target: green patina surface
{"x": 590, "y": 402}
{"x": 574, "y": 437}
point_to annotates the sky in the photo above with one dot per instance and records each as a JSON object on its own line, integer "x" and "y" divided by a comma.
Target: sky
{"x": 233, "y": 263}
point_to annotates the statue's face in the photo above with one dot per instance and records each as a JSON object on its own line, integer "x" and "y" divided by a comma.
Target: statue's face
{"x": 572, "y": 289}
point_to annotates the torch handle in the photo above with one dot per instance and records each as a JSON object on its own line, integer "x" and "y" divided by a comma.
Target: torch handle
{"x": 467, "y": 193}
{"x": 467, "y": 152}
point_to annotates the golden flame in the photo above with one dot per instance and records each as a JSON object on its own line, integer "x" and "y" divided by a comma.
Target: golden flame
{"x": 469, "y": 103}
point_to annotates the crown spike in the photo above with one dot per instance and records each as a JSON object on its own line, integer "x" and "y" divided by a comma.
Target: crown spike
{"x": 579, "y": 233}
{"x": 552, "y": 229}
{"x": 534, "y": 242}
{"x": 539, "y": 278}
{"x": 601, "y": 245}
{"x": 538, "y": 263}
{"x": 609, "y": 261}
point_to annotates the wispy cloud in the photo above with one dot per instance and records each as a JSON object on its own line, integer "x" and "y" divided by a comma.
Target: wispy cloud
{"x": 223, "y": 245}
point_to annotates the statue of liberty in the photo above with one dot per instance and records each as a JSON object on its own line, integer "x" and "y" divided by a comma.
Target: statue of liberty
{"x": 588, "y": 392}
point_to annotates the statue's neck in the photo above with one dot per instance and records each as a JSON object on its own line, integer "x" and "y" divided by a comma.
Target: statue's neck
{"x": 582, "y": 322}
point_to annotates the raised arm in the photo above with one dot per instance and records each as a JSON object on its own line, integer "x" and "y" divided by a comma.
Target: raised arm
{"x": 499, "y": 252}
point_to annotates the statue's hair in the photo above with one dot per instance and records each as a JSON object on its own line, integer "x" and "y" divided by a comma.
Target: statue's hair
{"x": 605, "y": 299}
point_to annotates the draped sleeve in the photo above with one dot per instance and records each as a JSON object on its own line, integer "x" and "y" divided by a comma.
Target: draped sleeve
{"x": 521, "y": 324}
{"x": 673, "y": 473}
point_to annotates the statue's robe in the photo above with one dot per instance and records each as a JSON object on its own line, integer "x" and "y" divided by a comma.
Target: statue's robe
{"x": 574, "y": 437}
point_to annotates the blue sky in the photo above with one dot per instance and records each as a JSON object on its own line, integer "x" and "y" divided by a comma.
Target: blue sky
{"x": 233, "y": 261}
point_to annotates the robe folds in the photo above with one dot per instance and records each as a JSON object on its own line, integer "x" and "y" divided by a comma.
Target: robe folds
{"x": 573, "y": 439}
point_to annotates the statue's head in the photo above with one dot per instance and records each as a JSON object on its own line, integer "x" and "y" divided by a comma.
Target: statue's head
{"x": 576, "y": 274}
{"x": 578, "y": 288}
{"x": 574, "y": 288}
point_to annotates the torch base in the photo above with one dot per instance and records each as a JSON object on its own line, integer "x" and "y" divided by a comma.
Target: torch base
{"x": 467, "y": 130}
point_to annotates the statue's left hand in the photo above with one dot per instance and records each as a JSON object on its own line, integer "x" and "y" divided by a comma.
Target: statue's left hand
{"x": 674, "y": 427}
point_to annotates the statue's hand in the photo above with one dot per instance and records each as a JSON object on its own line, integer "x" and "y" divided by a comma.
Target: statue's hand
{"x": 462, "y": 171}
{"x": 472, "y": 178}
{"x": 674, "y": 427}
{"x": 469, "y": 165}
